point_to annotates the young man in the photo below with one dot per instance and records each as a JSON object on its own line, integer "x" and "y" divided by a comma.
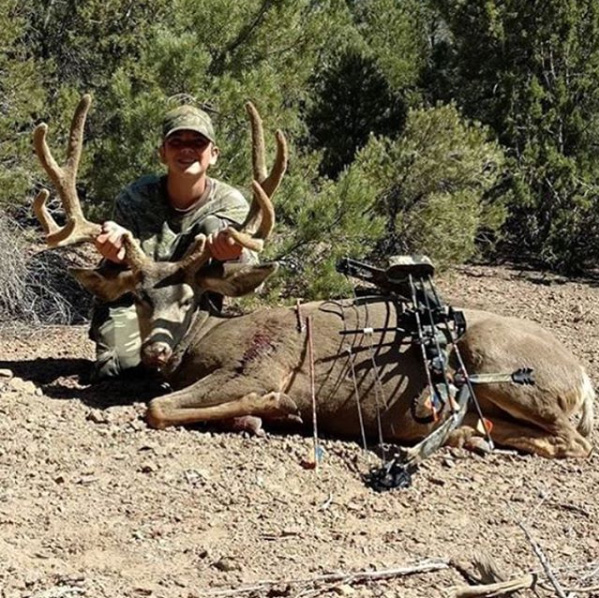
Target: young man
{"x": 165, "y": 213}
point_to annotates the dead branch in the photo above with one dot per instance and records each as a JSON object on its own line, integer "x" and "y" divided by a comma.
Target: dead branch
{"x": 503, "y": 588}
{"x": 589, "y": 590}
{"x": 426, "y": 566}
{"x": 479, "y": 569}
{"x": 543, "y": 559}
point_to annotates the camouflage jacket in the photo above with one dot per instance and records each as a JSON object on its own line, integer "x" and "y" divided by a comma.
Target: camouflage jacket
{"x": 164, "y": 232}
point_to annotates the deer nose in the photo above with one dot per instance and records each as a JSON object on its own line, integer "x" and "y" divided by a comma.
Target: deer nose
{"x": 156, "y": 354}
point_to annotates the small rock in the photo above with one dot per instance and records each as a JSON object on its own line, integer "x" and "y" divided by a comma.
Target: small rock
{"x": 23, "y": 385}
{"x": 227, "y": 564}
{"x": 344, "y": 590}
{"x": 448, "y": 462}
{"x": 6, "y": 374}
{"x": 97, "y": 417}
{"x": 137, "y": 425}
{"x": 437, "y": 481}
{"x": 202, "y": 553}
{"x": 87, "y": 479}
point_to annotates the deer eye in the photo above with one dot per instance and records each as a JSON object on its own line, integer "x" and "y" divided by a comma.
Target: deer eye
{"x": 186, "y": 302}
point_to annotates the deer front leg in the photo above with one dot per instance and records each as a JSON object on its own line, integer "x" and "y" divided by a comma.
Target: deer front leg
{"x": 178, "y": 408}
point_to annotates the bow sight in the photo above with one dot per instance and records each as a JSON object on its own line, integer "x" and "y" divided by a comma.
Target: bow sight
{"x": 425, "y": 321}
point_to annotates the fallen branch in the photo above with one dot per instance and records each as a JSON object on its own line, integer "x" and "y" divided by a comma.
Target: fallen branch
{"x": 543, "y": 559}
{"x": 495, "y": 589}
{"x": 345, "y": 577}
{"x": 589, "y": 590}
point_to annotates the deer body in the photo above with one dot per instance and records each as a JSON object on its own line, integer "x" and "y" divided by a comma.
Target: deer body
{"x": 265, "y": 354}
{"x": 258, "y": 364}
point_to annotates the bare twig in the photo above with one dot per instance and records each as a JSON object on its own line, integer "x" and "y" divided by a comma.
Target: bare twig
{"x": 479, "y": 569}
{"x": 543, "y": 559}
{"x": 589, "y": 590}
{"x": 332, "y": 578}
{"x": 495, "y": 589}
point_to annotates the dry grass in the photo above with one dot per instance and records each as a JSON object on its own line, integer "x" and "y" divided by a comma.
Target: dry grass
{"x": 35, "y": 287}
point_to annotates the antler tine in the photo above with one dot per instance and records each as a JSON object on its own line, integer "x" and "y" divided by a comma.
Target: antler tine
{"x": 135, "y": 258}
{"x": 271, "y": 183}
{"x": 258, "y": 157}
{"x": 255, "y": 241}
{"x": 41, "y": 213}
{"x": 77, "y": 229}
{"x": 196, "y": 255}
{"x": 264, "y": 186}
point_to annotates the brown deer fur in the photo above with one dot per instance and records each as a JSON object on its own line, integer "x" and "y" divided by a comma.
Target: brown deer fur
{"x": 259, "y": 362}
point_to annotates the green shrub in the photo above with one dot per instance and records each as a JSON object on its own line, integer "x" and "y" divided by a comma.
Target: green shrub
{"x": 436, "y": 185}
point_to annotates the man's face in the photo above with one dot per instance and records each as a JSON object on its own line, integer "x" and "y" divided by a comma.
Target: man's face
{"x": 188, "y": 153}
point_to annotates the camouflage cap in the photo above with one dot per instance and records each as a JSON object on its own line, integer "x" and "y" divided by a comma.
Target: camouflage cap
{"x": 187, "y": 118}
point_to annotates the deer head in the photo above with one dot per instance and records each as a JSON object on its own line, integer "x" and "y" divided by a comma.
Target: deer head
{"x": 166, "y": 293}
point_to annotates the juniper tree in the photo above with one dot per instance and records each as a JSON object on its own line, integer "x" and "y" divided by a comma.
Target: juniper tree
{"x": 529, "y": 69}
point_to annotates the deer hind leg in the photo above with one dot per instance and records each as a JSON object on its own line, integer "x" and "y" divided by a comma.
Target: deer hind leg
{"x": 563, "y": 441}
{"x": 180, "y": 408}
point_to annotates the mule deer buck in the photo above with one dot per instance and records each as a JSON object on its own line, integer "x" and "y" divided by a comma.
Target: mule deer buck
{"x": 257, "y": 364}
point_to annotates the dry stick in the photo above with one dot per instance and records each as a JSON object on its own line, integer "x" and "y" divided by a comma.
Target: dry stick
{"x": 505, "y": 587}
{"x": 487, "y": 590}
{"x": 487, "y": 570}
{"x": 423, "y": 567}
{"x": 543, "y": 559}
{"x": 590, "y": 589}
{"x": 495, "y": 589}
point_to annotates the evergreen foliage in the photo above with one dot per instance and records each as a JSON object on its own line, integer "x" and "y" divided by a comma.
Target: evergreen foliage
{"x": 379, "y": 100}
{"x": 353, "y": 101}
{"x": 21, "y": 100}
{"x": 424, "y": 192}
{"x": 529, "y": 70}
{"x": 436, "y": 181}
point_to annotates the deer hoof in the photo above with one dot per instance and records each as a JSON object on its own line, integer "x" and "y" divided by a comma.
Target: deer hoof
{"x": 478, "y": 445}
{"x": 280, "y": 404}
{"x": 245, "y": 423}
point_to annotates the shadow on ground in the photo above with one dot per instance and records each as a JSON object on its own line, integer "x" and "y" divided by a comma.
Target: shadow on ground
{"x": 46, "y": 370}
{"x": 67, "y": 378}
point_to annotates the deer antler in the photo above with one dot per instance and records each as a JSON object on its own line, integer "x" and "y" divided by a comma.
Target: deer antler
{"x": 77, "y": 228}
{"x": 264, "y": 186}
{"x": 253, "y": 232}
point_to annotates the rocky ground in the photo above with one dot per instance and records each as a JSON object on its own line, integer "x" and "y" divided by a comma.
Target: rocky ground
{"x": 95, "y": 504}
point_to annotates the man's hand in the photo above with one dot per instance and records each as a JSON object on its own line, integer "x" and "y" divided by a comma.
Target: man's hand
{"x": 110, "y": 242}
{"x": 223, "y": 247}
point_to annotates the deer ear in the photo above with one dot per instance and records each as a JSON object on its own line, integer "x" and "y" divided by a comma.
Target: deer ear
{"x": 234, "y": 280}
{"x": 105, "y": 284}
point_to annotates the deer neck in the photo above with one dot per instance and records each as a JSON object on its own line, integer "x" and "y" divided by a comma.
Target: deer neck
{"x": 202, "y": 322}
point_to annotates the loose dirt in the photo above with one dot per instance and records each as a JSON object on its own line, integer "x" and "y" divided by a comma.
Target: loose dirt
{"x": 94, "y": 503}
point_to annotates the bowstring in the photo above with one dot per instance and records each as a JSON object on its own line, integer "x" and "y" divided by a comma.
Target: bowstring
{"x": 378, "y": 392}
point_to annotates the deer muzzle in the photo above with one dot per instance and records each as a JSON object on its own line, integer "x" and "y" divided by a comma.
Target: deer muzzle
{"x": 156, "y": 354}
